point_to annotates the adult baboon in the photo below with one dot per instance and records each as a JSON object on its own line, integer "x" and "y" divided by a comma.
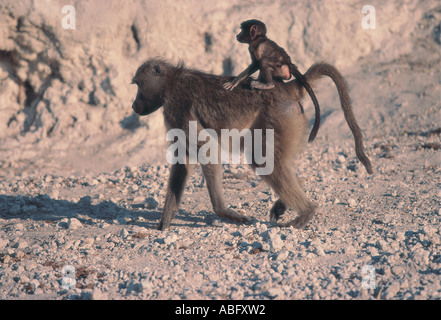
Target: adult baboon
{"x": 189, "y": 95}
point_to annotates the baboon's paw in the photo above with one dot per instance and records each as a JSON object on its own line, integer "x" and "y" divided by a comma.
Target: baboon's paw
{"x": 299, "y": 223}
{"x": 277, "y": 210}
{"x": 233, "y": 215}
{"x": 162, "y": 226}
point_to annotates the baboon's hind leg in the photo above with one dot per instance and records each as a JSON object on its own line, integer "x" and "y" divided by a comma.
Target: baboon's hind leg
{"x": 288, "y": 188}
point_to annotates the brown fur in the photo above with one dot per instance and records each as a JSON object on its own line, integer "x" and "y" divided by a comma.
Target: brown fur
{"x": 187, "y": 94}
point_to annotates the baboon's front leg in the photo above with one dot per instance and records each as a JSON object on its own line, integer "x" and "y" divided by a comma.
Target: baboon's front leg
{"x": 176, "y": 184}
{"x": 213, "y": 175}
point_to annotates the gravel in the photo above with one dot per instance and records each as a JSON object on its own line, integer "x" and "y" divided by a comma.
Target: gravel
{"x": 106, "y": 232}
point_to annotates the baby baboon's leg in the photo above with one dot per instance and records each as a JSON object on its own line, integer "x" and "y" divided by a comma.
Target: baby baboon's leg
{"x": 265, "y": 78}
{"x": 178, "y": 176}
{"x": 213, "y": 176}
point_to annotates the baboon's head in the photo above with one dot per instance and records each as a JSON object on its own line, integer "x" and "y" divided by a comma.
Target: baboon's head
{"x": 251, "y": 30}
{"x": 150, "y": 81}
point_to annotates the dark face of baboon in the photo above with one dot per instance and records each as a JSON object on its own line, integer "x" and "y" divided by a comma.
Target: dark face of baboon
{"x": 251, "y": 29}
{"x": 150, "y": 81}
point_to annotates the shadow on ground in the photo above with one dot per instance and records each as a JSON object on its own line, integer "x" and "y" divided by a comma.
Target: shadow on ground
{"x": 43, "y": 208}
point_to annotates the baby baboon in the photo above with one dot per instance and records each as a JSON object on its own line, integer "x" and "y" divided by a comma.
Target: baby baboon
{"x": 274, "y": 64}
{"x": 189, "y": 95}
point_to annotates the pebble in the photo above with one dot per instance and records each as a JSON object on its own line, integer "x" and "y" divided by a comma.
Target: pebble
{"x": 340, "y": 159}
{"x": 397, "y": 270}
{"x": 21, "y": 244}
{"x": 282, "y": 255}
{"x": 274, "y": 292}
{"x": 392, "y": 290}
{"x": 74, "y": 223}
{"x": 3, "y": 243}
{"x": 151, "y": 203}
{"x": 421, "y": 256}
{"x": 352, "y": 202}
{"x": 170, "y": 239}
{"x": 274, "y": 240}
{"x": 124, "y": 233}
{"x": 18, "y": 227}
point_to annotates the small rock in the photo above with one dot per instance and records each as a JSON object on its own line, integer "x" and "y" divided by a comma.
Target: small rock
{"x": 19, "y": 227}
{"x": 6, "y": 259}
{"x": 31, "y": 265}
{"x": 74, "y": 223}
{"x": 63, "y": 223}
{"x": 262, "y": 286}
{"x": 349, "y": 250}
{"x": 150, "y": 203}
{"x": 276, "y": 244}
{"x": 124, "y": 233}
{"x": 23, "y": 279}
{"x": 274, "y": 240}
{"x": 274, "y": 292}
{"x": 88, "y": 242}
{"x": 282, "y": 255}
{"x": 382, "y": 245}
{"x": 429, "y": 231}
{"x": 34, "y": 284}
{"x": 352, "y": 203}
{"x": 421, "y": 256}
{"x": 392, "y": 290}
{"x": 397, "y": 270}
{"x": 21, "y": 244}
{"x": 146, "y": 285}
{"x": 319, "y": 251}
{"x": 340, "y": 159}
{"x": 3, "y": 243}
{"x": 262, "y": 228}
{"x": 400, "y": 236}
{"x": 217, "y": 223}
{"x": 266, "y": 246}
{"x": 170, "y": 239}
{"x": 246, "y": 231}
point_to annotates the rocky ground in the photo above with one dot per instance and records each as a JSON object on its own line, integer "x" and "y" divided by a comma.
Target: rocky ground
{"x": 104, "y": 227}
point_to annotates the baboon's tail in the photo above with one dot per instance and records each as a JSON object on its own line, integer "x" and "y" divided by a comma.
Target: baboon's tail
{"x": 319, "y": 70}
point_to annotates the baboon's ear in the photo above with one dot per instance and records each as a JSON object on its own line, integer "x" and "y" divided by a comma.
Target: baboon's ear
{"x": 253, "y": 31}
{"x": 156, "y": 69}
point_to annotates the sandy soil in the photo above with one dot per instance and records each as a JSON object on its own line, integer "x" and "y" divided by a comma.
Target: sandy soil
{"x": 82, "y": 178}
